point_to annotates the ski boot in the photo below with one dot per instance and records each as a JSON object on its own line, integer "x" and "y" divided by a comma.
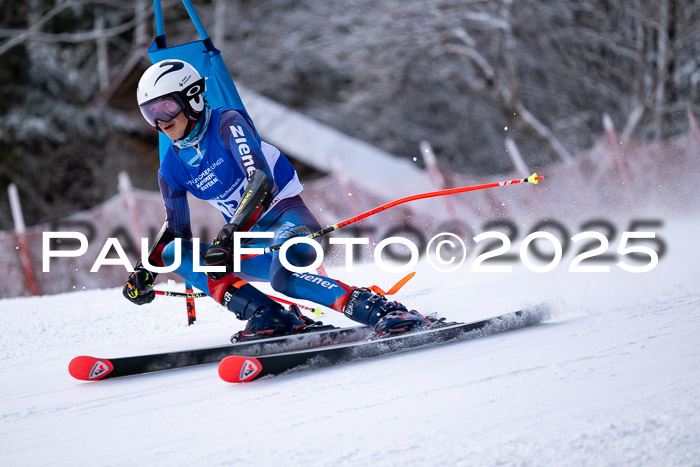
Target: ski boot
{"x": 270, "y": 320}
{"x": 373, "y": 309}
{"x": 265, "y": 316}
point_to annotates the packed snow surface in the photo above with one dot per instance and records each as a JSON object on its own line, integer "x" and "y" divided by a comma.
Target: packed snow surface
{"x": 611, "y": 378}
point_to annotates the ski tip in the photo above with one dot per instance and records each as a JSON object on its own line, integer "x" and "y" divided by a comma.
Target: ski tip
{"x": 89, "y": 368}
{"x": 235, "y": 369}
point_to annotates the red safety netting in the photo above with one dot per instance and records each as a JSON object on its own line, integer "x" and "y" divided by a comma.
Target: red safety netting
{"x": 616, "y": 180}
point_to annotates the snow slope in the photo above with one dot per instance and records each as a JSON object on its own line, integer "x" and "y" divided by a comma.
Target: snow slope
{"x": 611, "y": 378}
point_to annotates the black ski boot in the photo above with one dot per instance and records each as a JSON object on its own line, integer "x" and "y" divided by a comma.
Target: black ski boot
{"x": 271, "y": 320}
{"x": 265, "y": 316}
{"x": 373, "y": 309}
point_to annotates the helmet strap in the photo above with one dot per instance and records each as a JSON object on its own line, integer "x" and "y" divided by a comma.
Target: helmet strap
{"x": 190, "y": 126}
{"x": 190, "y": 113}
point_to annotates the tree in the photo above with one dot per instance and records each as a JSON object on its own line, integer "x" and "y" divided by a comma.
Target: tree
{"x": 52, "y": 139}
{"x": 462, "y": 74}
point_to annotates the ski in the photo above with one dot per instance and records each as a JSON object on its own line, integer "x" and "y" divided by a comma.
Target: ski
{"x": 245, "y": 368}
{"x": 92, "y": 369}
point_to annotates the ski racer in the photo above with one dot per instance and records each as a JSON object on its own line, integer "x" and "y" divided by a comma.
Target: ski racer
{"x": 216, "y": 155}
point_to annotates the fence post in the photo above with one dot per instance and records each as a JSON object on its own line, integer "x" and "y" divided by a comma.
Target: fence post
{"x": 343, "y": 184}
{"x": 430, "y": 160}
{"x": 617, "y": 155}
{"x": 522, "y": 170}
{"x": 694, "y": 130}
{"x": 18, "y": 219}
{"x": 127, "y": 192}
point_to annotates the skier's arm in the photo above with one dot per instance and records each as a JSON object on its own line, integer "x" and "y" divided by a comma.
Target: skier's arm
{"x": 177, "y": 220}
{"x": 239, "y": 137}
{"x": 139, "y": 286}
{"x": 177, "y": 210}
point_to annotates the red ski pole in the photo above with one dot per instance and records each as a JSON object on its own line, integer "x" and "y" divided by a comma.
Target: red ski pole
{"x": 534, "y": 179}
{"x": 191, "y": 310}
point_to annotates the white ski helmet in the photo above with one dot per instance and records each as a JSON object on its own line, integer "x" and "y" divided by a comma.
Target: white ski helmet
{"x": 168, "y": 88}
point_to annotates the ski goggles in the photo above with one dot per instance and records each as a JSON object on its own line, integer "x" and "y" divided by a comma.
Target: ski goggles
{"x": 162, "y": 109}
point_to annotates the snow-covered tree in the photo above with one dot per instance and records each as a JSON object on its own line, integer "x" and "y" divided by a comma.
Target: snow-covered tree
{"x": 462, "y": 74}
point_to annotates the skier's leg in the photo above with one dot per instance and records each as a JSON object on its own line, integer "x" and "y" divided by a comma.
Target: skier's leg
{"x": 186, "y": 269}
{"x": 254, "y": 269}
{"x": 264, "y": 315}
{"x": 359, "y": 304}
{"x": 293, "y": 219}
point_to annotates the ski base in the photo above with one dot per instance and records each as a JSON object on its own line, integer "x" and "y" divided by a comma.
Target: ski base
{"x": 88, "y": 368}
{"x": 246, "y": 368}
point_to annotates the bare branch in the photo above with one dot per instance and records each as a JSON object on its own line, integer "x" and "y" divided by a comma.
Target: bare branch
{"x": 543, "y": 132}
{"x": 75, "y": 37}
{"x": 24, "y": 35}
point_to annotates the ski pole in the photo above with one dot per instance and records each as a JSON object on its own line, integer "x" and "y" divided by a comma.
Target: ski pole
{"x": 534, "y": 179}
{"x": 191, "y": 311}
{"x": 168, "y": 293}
{"x": 191, "y": 295}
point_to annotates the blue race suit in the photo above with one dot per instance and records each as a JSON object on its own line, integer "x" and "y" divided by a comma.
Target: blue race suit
{"x": 215, "y": 167}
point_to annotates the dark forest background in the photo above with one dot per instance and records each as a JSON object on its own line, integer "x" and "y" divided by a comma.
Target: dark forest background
{"x": 460, "y": 74}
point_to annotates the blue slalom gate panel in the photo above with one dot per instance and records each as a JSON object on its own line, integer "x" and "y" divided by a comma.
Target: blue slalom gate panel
{"x": 221, "y": 90}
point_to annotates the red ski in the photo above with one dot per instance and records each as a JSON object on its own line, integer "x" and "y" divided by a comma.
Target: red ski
{"x": 89, "y": 368}
{"x": 242, "y": 369}
{"x": 94, "y": 369}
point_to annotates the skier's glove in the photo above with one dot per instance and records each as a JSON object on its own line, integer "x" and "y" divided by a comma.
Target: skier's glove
{"x": 221, "y": 252}
{"x": 139, "y": 286}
